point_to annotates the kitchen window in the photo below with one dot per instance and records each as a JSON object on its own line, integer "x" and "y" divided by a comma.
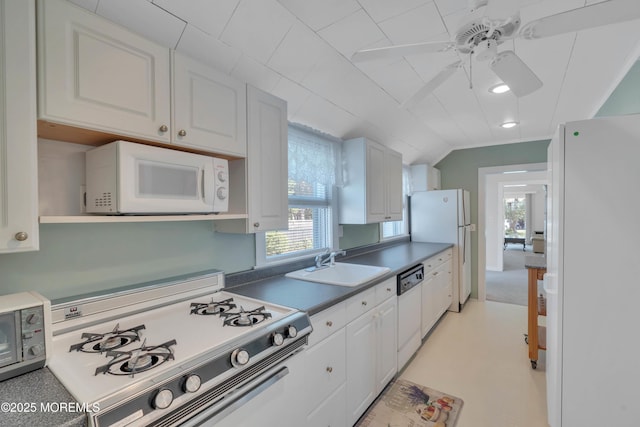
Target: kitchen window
{"x": 313, "y": 160}
{"x": 395, "y": 229}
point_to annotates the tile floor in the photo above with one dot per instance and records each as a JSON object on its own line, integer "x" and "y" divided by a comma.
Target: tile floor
{"x": 480, "y": 356}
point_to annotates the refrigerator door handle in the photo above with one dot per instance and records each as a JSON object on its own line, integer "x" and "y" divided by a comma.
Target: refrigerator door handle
{"x": 464, "y": 244}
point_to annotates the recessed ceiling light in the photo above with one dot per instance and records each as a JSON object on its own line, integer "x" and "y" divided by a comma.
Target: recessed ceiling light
{"x": 499, "y": 88}
{"x": 508, "y": 125}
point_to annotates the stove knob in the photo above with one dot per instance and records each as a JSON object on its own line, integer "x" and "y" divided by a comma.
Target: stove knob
{"x": 163, "y": 399}
{"x": 239, "y": 357}
{"x": 292, "y": 332}
{"x": 192, "y": 383}
{"x": 277, "y": 339}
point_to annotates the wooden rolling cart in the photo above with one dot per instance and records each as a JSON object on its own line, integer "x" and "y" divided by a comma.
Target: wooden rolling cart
{"x": 536, "y": 334}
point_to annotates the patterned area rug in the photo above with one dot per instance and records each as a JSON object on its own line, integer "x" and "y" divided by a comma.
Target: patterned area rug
{"x": 406, "y": 404}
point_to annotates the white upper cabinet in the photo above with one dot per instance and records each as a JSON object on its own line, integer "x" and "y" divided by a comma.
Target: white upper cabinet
{"x": 372, "y": 190}
{"x": 94, "y": 74}
{"x": 268, "y": 161}
{"x": 97, "y": 75}
{"x": 18, "y": 158}
{"x": 209, "y": 108}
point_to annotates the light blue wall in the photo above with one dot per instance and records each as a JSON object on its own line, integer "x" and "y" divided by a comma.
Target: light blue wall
{"x": 625, "y": 99}
{"x": 80, "y": 258}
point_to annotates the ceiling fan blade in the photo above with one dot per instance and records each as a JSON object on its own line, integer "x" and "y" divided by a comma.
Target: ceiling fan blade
{"x": 431, "y": 85}
{"x": 501, "y": 10}
{"x": 595, "y": 15}
{"x": 515, "y": 73}
{"x": 402, "y": 50}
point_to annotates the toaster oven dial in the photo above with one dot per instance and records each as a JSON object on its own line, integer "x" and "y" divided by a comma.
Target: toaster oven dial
{"x": 222, "y": 177}
{"x": 163, "y": 399}
{"x": 239, "y": 357}
{"x": 36, "y": 350}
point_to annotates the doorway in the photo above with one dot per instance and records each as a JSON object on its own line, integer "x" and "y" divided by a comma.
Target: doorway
{"x": 492, "y": 187}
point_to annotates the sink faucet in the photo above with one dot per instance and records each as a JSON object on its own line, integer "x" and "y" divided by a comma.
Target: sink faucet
{"x": 330, "y": 259}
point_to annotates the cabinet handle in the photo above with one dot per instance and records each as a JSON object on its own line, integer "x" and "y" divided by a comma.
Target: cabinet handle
{"x": 21, "y": 236}
{"x": 329, "y": 369}
{"x": 256, "y": 224}
{"x": 182, "y": 132}
{"x": 364, "y": 303}
{"x": 329, "y": 323}
{"x": 163, "y": 128}
{"x": 388, "y": 289}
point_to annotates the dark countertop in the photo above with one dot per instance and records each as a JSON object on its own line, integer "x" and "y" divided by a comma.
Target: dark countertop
{"x": 315, "y": 297}
{"x": 38, "y": 399}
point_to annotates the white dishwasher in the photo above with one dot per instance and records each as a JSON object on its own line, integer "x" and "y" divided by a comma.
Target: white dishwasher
{"x": 409, "y": 313}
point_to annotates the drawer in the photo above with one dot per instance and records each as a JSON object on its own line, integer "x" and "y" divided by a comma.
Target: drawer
{"x": 386, "y": 290}
{"x": 438, "y": 259}
{"x": 332, "y": 412}
{"x": 359, "y": 304}
{"x": 327, "y": 322}
{"x": 325, "y": 369}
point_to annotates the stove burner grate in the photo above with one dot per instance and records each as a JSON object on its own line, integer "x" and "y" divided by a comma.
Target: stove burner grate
{"x": 245, "y": 318}
{"x": 138, "y": 360}
{"x": 98, "y": 343}
{"x": 213, "y": 307}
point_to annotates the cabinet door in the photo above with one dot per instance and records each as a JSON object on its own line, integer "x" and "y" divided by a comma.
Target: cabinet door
{"x": 18, "y": 161}
{"x": 361, "y": 366}
{"x": 325, "y": 369}
{"x": 209, "y": 111}
{"x": 444, "y": 286}
{"x": 393, "y": 182}
{"x": 387, "y": 342}
{"x": 97, "y": 75}
{"x": 332, "y": 412}
{"x": 375, "y": 182}
{"x": 267, "y": 160}
{"x": 429, "y": 303}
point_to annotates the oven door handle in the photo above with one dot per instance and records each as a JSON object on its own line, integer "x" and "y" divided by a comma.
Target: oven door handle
{"x": 212, "y": 416}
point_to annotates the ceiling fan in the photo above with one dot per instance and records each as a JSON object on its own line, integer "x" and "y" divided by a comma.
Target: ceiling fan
{"x": 489, "y": 24}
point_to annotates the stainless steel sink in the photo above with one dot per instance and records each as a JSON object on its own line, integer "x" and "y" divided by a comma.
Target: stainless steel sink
{"x": 340, "y": 273}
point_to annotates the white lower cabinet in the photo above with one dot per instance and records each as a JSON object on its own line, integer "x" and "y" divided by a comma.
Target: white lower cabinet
{"x": 371, "y": 354}
{"x": 332, "y": 411}
{"x": 436, "y": 290}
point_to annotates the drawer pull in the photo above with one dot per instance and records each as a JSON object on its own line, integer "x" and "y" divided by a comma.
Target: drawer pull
{"x": 364, "y": 303}
{"x": 329, "y": 323}
{"x": 329, "y": 369}
{"x": 388, "y": 289}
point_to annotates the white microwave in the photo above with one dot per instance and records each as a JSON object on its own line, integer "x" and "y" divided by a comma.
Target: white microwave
{"x": 128, "y": 178}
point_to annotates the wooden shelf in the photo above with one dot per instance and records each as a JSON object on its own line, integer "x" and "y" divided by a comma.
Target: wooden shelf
{"x": 542, "y": 338}
{"x": 60, "y": 219}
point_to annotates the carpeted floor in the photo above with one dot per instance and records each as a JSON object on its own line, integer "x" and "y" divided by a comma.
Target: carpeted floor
{"x": 510, "y": 285}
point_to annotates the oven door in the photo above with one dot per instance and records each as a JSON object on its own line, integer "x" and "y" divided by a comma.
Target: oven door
{"x": 156, "y": 180}
{"x": 9, "y": 333}
{"x": 272, "y": 399}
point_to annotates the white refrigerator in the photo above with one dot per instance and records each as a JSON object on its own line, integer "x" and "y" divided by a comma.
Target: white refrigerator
{"x": 593, "y": 274}
{"x": 443, "y": 216}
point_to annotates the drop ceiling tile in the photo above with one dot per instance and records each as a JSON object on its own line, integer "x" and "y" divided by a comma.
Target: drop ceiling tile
{"x": 432, "y": 113}
{"x": 319, "y": 14}
{"x": 352, "y": 33}
{"x": 381, "y": 10}
{"x": 293, "y": 93}
{"x": 320, "y": 114}
{"x": 144, "y": 18}
{"x": 398, "y": 79}
{"x": 203, "y": 47}
{"x": 256, "y": 74}
{"x": 299, "y": 53}
{"x": 257, "y": 27}
{"x": 447, "y": 7}
{"x": 210, "y": 16}
{"x": 417, "y": 25}
{"x": 90, "y": 5}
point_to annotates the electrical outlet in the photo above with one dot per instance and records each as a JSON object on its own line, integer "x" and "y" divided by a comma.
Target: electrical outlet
{"x": 83, "y": 199}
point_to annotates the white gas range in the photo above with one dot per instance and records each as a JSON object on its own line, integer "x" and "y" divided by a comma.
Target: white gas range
{"x": 178, "y": 352}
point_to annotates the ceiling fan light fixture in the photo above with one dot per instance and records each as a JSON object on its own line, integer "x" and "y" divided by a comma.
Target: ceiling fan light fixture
{"x": 508, "y": 125}
{"x": 499, "y": 88}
